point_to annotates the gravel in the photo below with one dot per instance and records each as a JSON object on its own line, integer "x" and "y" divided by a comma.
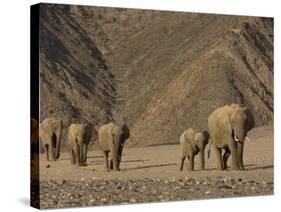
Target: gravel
{"x": 93, "y": 191}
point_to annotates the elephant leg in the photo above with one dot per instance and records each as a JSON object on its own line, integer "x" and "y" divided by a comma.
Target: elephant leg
{"x": 202, "y": 159}
{"x": 73, "y": 158}
{"x": 190, "y": 166}
{"x": 106, "y": 161}
{"x": 52, "y": 151}
{"x": 111, "y": 164}
{"x": 46, "y": 148}
{"x": 219, "y": 159}
{"x": 225, "y": 158}
{"x": 180, "y": 166}
{"x": 85, "y": 150}
{"x": 77, "y": 154}
{"x": 240, "y": 149}
{"x": 81, "y": 154}
{"x": 53, "y": 143}
{"x": 233, "y": 150}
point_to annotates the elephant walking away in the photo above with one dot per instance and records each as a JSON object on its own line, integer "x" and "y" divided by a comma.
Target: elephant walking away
{"x": 50, "y": 132}
{"x": 79, "y": 136}
{"x": 112, "y": 138}
{"x": 192, "y": 143}
{"x": 228, "y": 128}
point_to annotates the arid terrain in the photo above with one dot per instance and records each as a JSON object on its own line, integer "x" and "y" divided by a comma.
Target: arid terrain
{"x": 161, "y": 73}
{"x": 150, "y": 174}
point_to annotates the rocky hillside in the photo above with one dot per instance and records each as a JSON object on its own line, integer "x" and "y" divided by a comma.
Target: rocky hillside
{"x": 161, "y": 71}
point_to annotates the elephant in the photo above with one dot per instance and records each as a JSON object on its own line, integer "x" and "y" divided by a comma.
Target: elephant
{"x": 79, "y": 136}
{"x": 50, "y": 135}
{"x": 34, "y": 137}
{"x": 192, "y": 143}
{"x": 228, "y": 128}
{"x": 112, "y": 138}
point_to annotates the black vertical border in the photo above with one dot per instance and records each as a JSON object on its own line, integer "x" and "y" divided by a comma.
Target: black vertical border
{"x": 34, "y": 101}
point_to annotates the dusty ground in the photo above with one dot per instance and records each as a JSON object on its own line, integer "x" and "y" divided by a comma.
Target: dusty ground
{"x": 150, "y": 174}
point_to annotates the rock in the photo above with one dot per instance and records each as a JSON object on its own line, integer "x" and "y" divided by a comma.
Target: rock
{"x": 225, "y": 186}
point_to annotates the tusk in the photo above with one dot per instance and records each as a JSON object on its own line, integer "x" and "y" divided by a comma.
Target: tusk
{"x": 235, "y": 138}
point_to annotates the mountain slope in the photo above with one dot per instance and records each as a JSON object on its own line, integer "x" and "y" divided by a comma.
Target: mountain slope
{"x": 161, "y": 71}
{"x": 75, "y": 80}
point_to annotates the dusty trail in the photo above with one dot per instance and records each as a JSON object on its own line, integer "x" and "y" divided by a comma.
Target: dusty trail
{"x": 150, "y": 174}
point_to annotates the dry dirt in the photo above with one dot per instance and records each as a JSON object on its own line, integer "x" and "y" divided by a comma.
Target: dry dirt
{"x": 150, "y": 174}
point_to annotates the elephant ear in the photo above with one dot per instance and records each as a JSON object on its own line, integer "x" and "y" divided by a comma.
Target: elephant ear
{"x": 250, "y": 119}
{"x": 189, "y": 135}
{"x": 197, "y": 138}
{"x": 111, "y": 134}
{"x": 224, "y": 123}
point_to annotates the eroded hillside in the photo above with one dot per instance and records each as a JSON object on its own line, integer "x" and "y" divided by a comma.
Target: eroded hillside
{"x": 162, "y": 71}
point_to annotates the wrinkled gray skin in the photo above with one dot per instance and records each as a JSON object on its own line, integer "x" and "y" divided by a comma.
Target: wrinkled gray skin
{"x": 79, "y": 136}
{"x": 228, "y": 127}
{"x": 50, "y": 132}
{"x": 192, "y": 143}
{"x": 112, "y": 138}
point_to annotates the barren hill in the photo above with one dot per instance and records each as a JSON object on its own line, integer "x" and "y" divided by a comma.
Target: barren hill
{"x": 162, "y": 71}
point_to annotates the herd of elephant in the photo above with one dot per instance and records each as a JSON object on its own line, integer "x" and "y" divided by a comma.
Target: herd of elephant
{"x": 227, "y": 129}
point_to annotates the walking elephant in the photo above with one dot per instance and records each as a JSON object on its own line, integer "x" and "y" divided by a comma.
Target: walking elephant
{"x": 192, "y": 143}
{"x": 79, "y": 136}
{"x": 111, "y": 139}
{"x": 50, "y": 135}
{"x": 228, "y": 127}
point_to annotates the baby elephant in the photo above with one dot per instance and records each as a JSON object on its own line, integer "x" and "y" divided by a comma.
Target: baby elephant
{"x": 192, "y": 143}
{"x": 79, "y": 136}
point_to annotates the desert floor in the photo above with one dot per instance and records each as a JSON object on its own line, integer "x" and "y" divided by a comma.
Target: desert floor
{"x": 150, "y": 174}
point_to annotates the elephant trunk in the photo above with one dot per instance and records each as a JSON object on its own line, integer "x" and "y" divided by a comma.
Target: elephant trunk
{"x": 202, "y": 159}
{"x": 115, "y": 154}
{"x": 81, "y": 154}
{"x": 240, "y": 149}
{"x": 239, "y": 134}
